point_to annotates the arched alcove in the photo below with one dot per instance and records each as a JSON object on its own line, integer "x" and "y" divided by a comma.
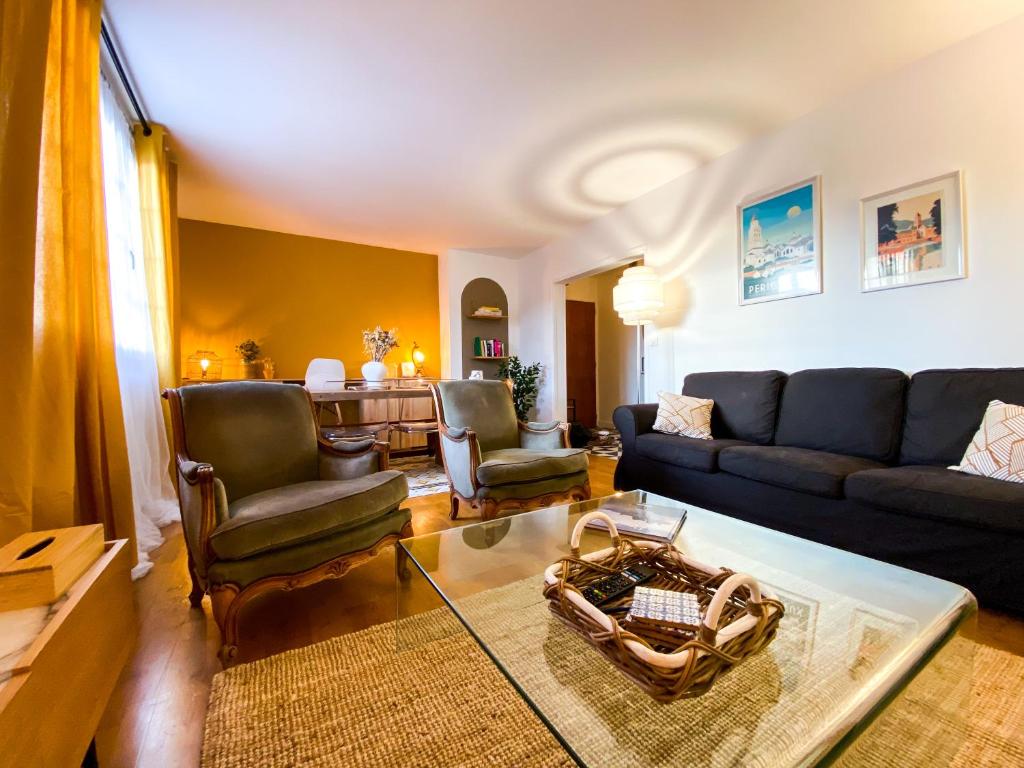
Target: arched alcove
{"x": 482, "y": 292}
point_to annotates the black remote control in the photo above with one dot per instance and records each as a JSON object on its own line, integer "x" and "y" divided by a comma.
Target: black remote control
{"x": 615, "y": 584}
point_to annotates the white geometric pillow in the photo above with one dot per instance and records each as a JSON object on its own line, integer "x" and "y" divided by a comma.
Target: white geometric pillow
{"x": 683, "y": 415}
{"x": 997, "y": 450}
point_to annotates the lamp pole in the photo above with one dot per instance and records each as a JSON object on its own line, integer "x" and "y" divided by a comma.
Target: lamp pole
{"x": 637, "y": 298}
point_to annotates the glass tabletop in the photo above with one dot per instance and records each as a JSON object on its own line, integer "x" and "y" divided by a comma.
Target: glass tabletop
{"x": 854, "y": 632}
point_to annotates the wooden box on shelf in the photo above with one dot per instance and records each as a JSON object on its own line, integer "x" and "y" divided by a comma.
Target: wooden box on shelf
{"x": 37, "y": 568}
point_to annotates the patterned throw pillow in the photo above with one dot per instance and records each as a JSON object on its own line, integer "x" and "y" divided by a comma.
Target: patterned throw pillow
{"x": 997, "y": 450}
{"x": 683, "y": 415}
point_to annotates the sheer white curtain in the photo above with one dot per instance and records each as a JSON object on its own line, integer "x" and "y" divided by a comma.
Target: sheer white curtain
{"x": 148, "y": 454}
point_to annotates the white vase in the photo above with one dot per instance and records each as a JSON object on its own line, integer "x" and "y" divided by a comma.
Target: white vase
{"x": 374, "y": 373}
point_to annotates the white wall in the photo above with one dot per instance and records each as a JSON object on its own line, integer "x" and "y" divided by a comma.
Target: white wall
{"x": 958, "y": 109}
{"x": 455, "y": 269}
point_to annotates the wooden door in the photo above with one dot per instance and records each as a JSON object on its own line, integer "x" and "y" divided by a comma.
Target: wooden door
{"x": 581, "y": 360}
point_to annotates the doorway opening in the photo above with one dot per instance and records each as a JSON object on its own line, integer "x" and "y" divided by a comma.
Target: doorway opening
{"x": 603, "y": 358}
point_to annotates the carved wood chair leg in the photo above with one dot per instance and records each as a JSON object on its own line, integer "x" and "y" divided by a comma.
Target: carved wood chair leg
{"x": 455, "y": 507}
{"x": 195, "y": 597}
{"x": 488, "y": 510}
{"x": 226, "y": 601}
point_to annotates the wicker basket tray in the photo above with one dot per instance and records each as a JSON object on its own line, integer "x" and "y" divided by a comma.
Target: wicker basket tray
{"x": 669, "y": 663}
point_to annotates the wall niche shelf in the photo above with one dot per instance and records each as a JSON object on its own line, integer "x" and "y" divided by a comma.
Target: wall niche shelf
{"x": 483, "y": 292}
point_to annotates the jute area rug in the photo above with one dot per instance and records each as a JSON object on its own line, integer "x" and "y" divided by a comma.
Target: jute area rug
{"x": 354, "y": 701}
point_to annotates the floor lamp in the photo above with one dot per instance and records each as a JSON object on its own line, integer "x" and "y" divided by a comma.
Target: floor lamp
{"x": 637, "y": 298}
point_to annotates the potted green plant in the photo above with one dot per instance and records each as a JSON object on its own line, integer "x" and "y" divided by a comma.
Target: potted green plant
{"x": 525, "y": 384}
{"x": 248, "y": 352}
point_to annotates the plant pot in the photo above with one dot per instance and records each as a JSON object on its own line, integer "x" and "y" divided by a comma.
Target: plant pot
{"x": 247, "y": 370}
{"x": 374, "y": 374}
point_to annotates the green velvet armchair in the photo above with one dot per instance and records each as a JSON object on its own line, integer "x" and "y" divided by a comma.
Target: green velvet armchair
{"x": 495, "y": 462}
{"x": 266, "y": 503}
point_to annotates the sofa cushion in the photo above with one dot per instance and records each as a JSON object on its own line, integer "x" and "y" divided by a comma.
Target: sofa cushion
{"x": 997, "y": 450}
{"x": 308, "y": 554}
{"x": 945, "y": 407}
{"x": 293, "y": 514}
{"x": 942, "y": 494}
{"x": 689, "y": 452}
{"x": 256, "y": 434}
{"x": 746, "y": 402}
{"x": 684, "y": 415}
{"x": 522, "y": 465}
{"x": 799, "y": 469}
{"x": 485, "y": 407}
{"x": 849, "y": 411}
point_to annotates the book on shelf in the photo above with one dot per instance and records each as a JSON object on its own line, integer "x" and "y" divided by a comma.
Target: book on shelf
{"x": 488, "y": 347}
{"x": 488, "y": 311}
{"x": 642, "y": 520}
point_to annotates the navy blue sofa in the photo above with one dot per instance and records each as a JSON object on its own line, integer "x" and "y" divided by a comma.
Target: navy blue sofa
{"x": 855, "y": 458}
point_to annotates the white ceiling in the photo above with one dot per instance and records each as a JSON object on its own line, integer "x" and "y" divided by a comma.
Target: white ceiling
{"x": 489, "y": 124}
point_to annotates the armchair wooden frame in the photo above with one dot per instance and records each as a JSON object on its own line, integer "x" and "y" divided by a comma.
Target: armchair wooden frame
{"x": 227, "y": 599}
{"x": 491, "y": 508}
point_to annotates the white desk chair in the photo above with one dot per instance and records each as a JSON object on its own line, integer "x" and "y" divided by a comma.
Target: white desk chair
{"x": 324, "y": 374}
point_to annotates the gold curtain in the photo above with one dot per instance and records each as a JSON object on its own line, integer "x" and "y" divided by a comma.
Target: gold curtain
{"x": 155, "y": 196}
{"x": 23, "y": 34}
{"x": 76, "y": 467}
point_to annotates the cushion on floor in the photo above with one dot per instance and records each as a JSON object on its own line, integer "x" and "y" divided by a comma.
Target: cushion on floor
{"x": 522, "y": 465}
{"x": 286, "y": 516}
{"x": 689, "y": 452}
{"x": 799, "y": 469}
{"x": 943, "y": 494}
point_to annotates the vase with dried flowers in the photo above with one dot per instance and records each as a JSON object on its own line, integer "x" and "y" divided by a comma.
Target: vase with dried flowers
{"x": 248, "y": 352}
{"x": 377, "y": 343}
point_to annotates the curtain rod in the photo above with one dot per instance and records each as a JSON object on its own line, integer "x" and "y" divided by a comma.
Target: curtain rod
{"x": 146, "y": 130}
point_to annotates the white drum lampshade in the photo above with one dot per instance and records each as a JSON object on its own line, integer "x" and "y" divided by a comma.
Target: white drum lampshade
{"x": 638, "y": 296}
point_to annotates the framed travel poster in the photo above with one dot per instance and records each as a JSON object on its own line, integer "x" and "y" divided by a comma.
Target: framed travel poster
{"x": 913, "y": 235}
{"x": 780, "y": 243}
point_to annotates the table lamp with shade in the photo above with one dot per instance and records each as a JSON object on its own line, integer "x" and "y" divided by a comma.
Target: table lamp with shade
{"x": 638, "y": 297}
{"x": 418, "y": 358}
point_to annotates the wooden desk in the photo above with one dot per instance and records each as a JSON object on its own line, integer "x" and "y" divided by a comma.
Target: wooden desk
{"x": 51, "y": 706}
{"x": 403, "y": 393}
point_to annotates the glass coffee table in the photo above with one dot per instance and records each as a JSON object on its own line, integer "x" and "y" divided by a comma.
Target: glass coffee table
{"x": 854, "y": 633}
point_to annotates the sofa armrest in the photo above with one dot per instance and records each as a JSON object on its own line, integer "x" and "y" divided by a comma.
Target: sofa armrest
{"x": 461, "y": 452}
{"x": 540, "y": 436}
{"x": 202, "y": 501}
{"x": 347, "y": 459}
{"x": 633, "y": 421}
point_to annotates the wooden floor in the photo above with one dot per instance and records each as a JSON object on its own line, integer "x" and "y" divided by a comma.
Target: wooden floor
{"x": 156, "y": 715}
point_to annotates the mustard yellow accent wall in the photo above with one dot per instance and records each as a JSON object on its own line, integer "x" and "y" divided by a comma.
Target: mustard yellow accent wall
{"x": 301, "y": 297}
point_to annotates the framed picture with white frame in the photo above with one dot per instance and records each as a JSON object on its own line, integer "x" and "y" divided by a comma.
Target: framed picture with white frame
{"x": 913, "y": 235}
{"x": 780, "y": 243}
